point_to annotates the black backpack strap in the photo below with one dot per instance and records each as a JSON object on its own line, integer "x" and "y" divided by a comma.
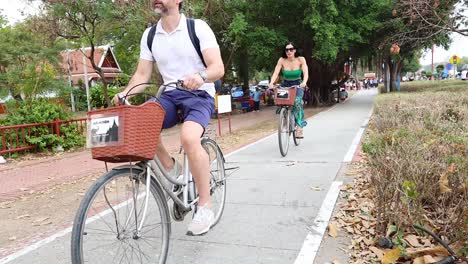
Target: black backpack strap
{"x": 194, "y": 38}
{"x": 149, "y": 40}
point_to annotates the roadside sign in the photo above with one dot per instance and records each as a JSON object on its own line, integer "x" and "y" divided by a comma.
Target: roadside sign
{"x": 224, "y": 104}
{"x": 369, "y": 75}
{"x": 454, "y": 59}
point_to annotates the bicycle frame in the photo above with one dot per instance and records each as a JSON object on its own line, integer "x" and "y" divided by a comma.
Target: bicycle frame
{"x": 292, "y": 121}
{"x": 156, "y": 170}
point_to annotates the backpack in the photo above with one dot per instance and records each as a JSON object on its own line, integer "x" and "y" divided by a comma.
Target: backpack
{"x": 195, "y": 41}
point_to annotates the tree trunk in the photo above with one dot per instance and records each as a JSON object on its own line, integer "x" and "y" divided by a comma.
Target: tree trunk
{"x": 244, "y": 70}
{"x": 101, "y": 74}
{"x": 394, "y": 68}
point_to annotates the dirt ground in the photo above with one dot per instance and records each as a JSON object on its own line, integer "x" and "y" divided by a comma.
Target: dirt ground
{"x": 39, "y": 214}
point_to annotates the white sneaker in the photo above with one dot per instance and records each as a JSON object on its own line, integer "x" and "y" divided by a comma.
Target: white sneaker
{"x": 201, "y": 222}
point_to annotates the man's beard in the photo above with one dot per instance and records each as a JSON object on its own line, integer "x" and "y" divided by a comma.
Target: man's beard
{"x": 161, "y": 9}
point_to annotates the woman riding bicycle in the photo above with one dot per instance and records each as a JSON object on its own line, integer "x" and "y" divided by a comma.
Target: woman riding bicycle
{"x": 292, "y": 67}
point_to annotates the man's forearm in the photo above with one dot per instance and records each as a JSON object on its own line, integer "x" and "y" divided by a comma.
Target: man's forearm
{"x": 214, "y": 72}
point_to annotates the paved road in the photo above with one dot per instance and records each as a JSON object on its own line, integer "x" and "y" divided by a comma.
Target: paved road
{"x": 270, "y": 204}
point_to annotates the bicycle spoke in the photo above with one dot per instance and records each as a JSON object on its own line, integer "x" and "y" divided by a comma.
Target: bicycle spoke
{"x": 115, "y": 211}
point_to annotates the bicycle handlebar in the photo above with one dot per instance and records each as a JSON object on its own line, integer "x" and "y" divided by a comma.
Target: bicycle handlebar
{"x": 289, "y": 87}
{"x": 177, "y": 85}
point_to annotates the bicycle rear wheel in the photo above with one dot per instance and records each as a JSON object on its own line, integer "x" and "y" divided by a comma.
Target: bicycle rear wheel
{"x": 217, "y": 178}
{"x": 283, "y": 131}
{"x": 113, "y": 225}
{"x": 292, "y": 121}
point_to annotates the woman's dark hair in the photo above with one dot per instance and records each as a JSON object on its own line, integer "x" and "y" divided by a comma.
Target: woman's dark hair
{"x": 180, "y": 5}
{"x": 296, "y": 54}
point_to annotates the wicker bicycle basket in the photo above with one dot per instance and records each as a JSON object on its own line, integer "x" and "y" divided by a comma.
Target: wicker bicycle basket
{"x": 285, "y": 96}
{"x": 132, "y": 132}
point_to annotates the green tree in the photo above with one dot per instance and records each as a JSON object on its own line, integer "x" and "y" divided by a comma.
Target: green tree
{"x": 328, "y": 33}
{"x": 411, "y": 63}
{"x": 411, "y": 32}
{"x": 28, "y": 63}
{"x": 463, "y": 62}
{"x": 89, "y": 23}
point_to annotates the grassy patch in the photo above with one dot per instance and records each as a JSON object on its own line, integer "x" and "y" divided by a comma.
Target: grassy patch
{"x": 417, "y": 146}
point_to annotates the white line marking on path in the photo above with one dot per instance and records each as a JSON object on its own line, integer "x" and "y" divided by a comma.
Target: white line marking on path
{"x": 34, "y": 246}
{"x": 350, "y": 154}
{"x": 314, "y": 237}
{"x": 312, "y": 242}
{"x": 62, "y": 233}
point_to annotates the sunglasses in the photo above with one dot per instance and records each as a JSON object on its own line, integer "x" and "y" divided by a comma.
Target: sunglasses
{"x": 290, "y": 49}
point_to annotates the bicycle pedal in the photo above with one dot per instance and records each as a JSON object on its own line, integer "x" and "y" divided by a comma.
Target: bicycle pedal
{"x": 177, "y": 214}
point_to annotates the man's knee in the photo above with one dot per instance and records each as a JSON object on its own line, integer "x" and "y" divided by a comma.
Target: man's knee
{"x": 190, "y": 142}
{"x": 190, "y": 136}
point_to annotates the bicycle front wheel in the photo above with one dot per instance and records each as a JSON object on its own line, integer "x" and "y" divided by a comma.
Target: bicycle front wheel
{"x": 296, "y": 140}
{"x": 119, "y": 222}
{"x": 217, "y": 178}
{"x": 283, "y": 131}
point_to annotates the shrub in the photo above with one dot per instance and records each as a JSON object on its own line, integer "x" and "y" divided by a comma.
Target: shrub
{"x": 97, "y": 96}
{"x": 40, "y": 111}
{"x": 79, "y": 95}
{"x": 417, "y": 147}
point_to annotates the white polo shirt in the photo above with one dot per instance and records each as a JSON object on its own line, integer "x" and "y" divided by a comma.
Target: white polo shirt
{"x": 175, "y": 54}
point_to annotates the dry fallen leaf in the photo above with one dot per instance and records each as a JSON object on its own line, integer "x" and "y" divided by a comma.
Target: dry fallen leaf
{"x": 438, "y": 251}
{"x": 368, "y": 242}
{"x": 378, "y": 252}
{"x": 336, "y": 262}
{"x": 332, "y": 230}
{"x": 444, "y": 183}
{"x": 391, "y": 256}
{"x": 413, "y": 240}
{"x": 419, "y": 260}
{"x": 349, "y": 229}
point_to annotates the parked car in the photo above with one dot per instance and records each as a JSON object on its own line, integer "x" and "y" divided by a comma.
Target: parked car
{"x": 464, "y": 75}
{"x": 263, "y": 84}
{"x": 464, "y": 72}
{"x": 237, "y": 92}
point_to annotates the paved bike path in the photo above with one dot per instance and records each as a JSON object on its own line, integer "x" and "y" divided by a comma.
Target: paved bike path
{"x": 271, "y": 201}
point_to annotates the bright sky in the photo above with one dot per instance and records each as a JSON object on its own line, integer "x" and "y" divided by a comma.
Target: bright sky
{"x": 458, "y": 47}
{"x": 16, "y": 10}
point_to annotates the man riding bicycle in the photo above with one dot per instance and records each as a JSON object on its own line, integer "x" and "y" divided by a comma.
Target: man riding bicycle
{"x": 177, "y": 59}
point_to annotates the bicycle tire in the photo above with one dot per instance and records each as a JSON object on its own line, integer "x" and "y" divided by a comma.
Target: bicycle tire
{"x": 296, "y": 140}
{"x": 217, "y": 178}
{"x": 86, "y": 231}
{"x": 283, "y": 131}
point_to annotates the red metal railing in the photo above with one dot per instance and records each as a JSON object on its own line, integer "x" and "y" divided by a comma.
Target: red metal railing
{"x": 13, "y": 138}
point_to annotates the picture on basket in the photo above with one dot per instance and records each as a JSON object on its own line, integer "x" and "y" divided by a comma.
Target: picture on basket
{"x": 103, "y": 131}
{"x": 282, "y": 94}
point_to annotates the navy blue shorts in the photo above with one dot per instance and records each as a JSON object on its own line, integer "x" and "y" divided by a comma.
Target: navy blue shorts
{"x": 194, "y": 108}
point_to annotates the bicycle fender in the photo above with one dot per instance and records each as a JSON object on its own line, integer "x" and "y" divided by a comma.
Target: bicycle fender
{"x": 206, "y": 139}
